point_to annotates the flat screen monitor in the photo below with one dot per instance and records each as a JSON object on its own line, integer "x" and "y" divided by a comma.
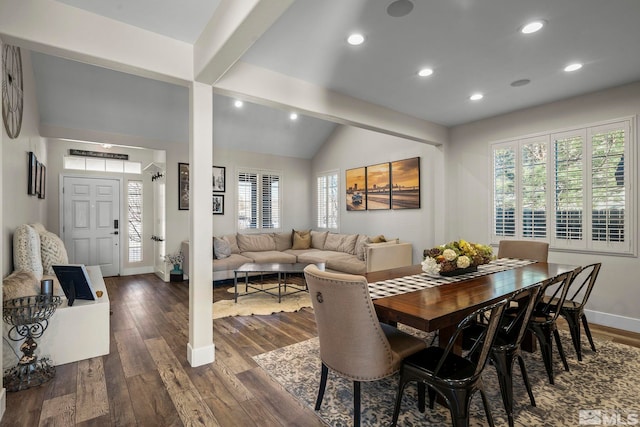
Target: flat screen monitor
{"x": 75, "y": 282}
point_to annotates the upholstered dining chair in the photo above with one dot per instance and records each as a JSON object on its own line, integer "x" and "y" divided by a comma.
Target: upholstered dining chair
{"x": 524, "y": 249}
{"x": 353, "y": 343}
{"x": 543, "y": 321}
{"x": 451, "y": 376}
{"x": 573, "y": 308}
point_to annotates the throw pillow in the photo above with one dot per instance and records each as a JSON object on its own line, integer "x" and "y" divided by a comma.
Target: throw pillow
{"x": 301, "y": 239}
{"x": 20, "y": 284}
{"x": 26, "y": 250}
{"x": 52, "y": 251}
{"x": 221, "y": 248}
{"x": 283, "y": 241}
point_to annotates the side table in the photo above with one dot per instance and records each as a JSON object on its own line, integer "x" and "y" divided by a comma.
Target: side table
{"x": 29, "y": 317}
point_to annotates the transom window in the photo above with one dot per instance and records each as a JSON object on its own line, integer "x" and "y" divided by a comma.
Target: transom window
{"x": 571, "y": 188}
{"x": 259, "y": 201}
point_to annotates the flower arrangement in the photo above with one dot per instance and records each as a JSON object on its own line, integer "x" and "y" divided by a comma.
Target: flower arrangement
{"x": 456, "y": 257}
{"x": 174, "y": 259}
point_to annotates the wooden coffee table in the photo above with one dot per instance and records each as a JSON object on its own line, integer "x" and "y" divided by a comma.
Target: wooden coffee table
{"x": 279, "y": 268}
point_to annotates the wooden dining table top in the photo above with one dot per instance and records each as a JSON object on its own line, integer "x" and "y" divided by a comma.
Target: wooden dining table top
{"x": 443, "y": 307}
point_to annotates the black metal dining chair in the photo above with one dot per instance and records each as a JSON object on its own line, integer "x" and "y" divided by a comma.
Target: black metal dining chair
{"x": 506, "y": 348}
{"x": 573, "y": 308}
{"x": 455, "y": 378}
{"x": 543, "y": 321}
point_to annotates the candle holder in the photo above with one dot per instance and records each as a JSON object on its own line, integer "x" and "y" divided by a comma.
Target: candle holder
{"x": 29, "y": 317}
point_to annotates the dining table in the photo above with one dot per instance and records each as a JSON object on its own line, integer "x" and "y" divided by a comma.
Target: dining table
{"x": 441, "y": 308}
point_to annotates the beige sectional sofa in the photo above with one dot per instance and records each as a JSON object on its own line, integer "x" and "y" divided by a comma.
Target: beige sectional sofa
{"x": 347, "y": 253}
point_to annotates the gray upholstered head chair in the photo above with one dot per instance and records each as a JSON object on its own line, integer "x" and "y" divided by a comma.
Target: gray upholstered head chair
{"x": 524, "y": 249}
{"x": 353, "y": 342}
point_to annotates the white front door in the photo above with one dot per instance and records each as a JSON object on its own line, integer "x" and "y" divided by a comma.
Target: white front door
{"x": 91, "y": 222}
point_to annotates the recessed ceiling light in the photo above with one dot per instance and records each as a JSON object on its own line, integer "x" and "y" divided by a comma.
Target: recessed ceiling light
{"x": 532, "y": 27}
{"x": 355, "y": 39}
{"x": 238, "y": 103}
{"x": 399, "y": 8}
{"x": 107, "y": 146}
{"x": 425, "y": 72}
{"x": 476, "y": 97}
{"x": 573, "y": 67}
{"x": 293, "y": 116}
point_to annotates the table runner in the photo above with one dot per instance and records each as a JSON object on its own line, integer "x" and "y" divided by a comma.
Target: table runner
{"x": 420, "y": 281}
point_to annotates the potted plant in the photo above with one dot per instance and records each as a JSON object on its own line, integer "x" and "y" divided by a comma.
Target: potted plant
{"x": 176, "y": 260}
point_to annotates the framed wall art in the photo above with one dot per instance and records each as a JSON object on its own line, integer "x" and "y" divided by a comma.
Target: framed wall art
{"x": 218, "y": 204}
{"x": 219, "y": 178}
{"x": 405, "y": 184}
{"x": 378, "y": 187}
{"x": 183, "y": 186}
{"x": 43, "y": 180}
{"x": 32, "y": 168}
{"x": 356, "y": 189}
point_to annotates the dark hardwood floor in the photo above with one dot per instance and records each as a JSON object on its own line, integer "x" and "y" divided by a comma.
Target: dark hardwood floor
{"x": 146, "y": 380}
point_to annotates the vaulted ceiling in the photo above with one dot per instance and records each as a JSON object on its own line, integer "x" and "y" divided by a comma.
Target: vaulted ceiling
{"x": 472, "y": 46}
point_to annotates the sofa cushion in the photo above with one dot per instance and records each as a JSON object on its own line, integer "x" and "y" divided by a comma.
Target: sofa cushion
{"x": 232, "y": 262}
{"x": 233, "y": 242}
{"x": 256, "y": 242}
{"x": 301, "y": 239}
{"x": 26, "y": 250}
{"x": 341, "y": 242}
{"x": 318, "y": 238}
{"x": 361, "y": 241}
{"x": 52, "y": 251}
{"x": 283, "y": 241}
{"x": 346, "y": 264}
{"x": 263, "y": 257}
{"x": 221, "y": 248}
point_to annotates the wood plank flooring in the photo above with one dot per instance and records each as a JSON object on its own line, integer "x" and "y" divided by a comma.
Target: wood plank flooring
{"x": 146, "y": 380}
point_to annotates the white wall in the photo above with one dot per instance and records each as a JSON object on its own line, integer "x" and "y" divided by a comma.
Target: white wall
{"x": 350, "y": 147}
{"x": 614, "y": 299}
{"x": 296, "y": 185}
{"x": 18, "y": 207}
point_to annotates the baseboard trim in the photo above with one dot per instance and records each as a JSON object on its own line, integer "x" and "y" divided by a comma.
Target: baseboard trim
{"x": 201, "y": 355}
{"x": 613, "y": 321}
{"x": 137, "y": 270}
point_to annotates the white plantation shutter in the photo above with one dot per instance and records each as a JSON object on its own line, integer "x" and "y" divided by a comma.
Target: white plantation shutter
{"x": 327, "y": 201}
{"x": 259, "y": 200}
{"x": 574, "y": 192}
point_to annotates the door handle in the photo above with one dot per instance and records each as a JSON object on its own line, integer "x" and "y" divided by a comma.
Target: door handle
{"x": 115, "y": 232}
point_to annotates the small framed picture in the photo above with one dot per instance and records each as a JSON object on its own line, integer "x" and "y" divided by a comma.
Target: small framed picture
{"x": 183, "y": 186}
{"x": 43, "y": 181}
{"x": 218, "y": 178}
{"x": 33, "y": 175}
{"x": 218, "y": 204}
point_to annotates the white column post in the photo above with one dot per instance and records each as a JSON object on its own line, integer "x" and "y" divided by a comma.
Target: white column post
{"x": 200, "y": 349}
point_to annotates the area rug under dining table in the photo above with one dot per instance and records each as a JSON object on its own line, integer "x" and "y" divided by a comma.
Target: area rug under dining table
{"x": 601, "y": 388}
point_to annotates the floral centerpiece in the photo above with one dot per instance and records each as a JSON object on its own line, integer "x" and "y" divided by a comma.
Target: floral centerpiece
{"x": 455, "y": 258}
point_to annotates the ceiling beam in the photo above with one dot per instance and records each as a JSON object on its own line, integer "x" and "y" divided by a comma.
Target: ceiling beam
{"x": 57, "y": 29}
{"x": 256, "y": 84}
{"x": 234, "y": 27}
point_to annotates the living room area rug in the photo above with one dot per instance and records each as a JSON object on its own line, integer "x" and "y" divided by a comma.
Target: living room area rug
{"x": 601, "y": 388}
{"x": 255, "y": 302}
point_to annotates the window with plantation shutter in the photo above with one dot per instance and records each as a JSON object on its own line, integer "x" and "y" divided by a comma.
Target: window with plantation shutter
{"x": 571, "y": 188}
{"x": 259, "y": 202}
{"x": 327, "y": 201}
